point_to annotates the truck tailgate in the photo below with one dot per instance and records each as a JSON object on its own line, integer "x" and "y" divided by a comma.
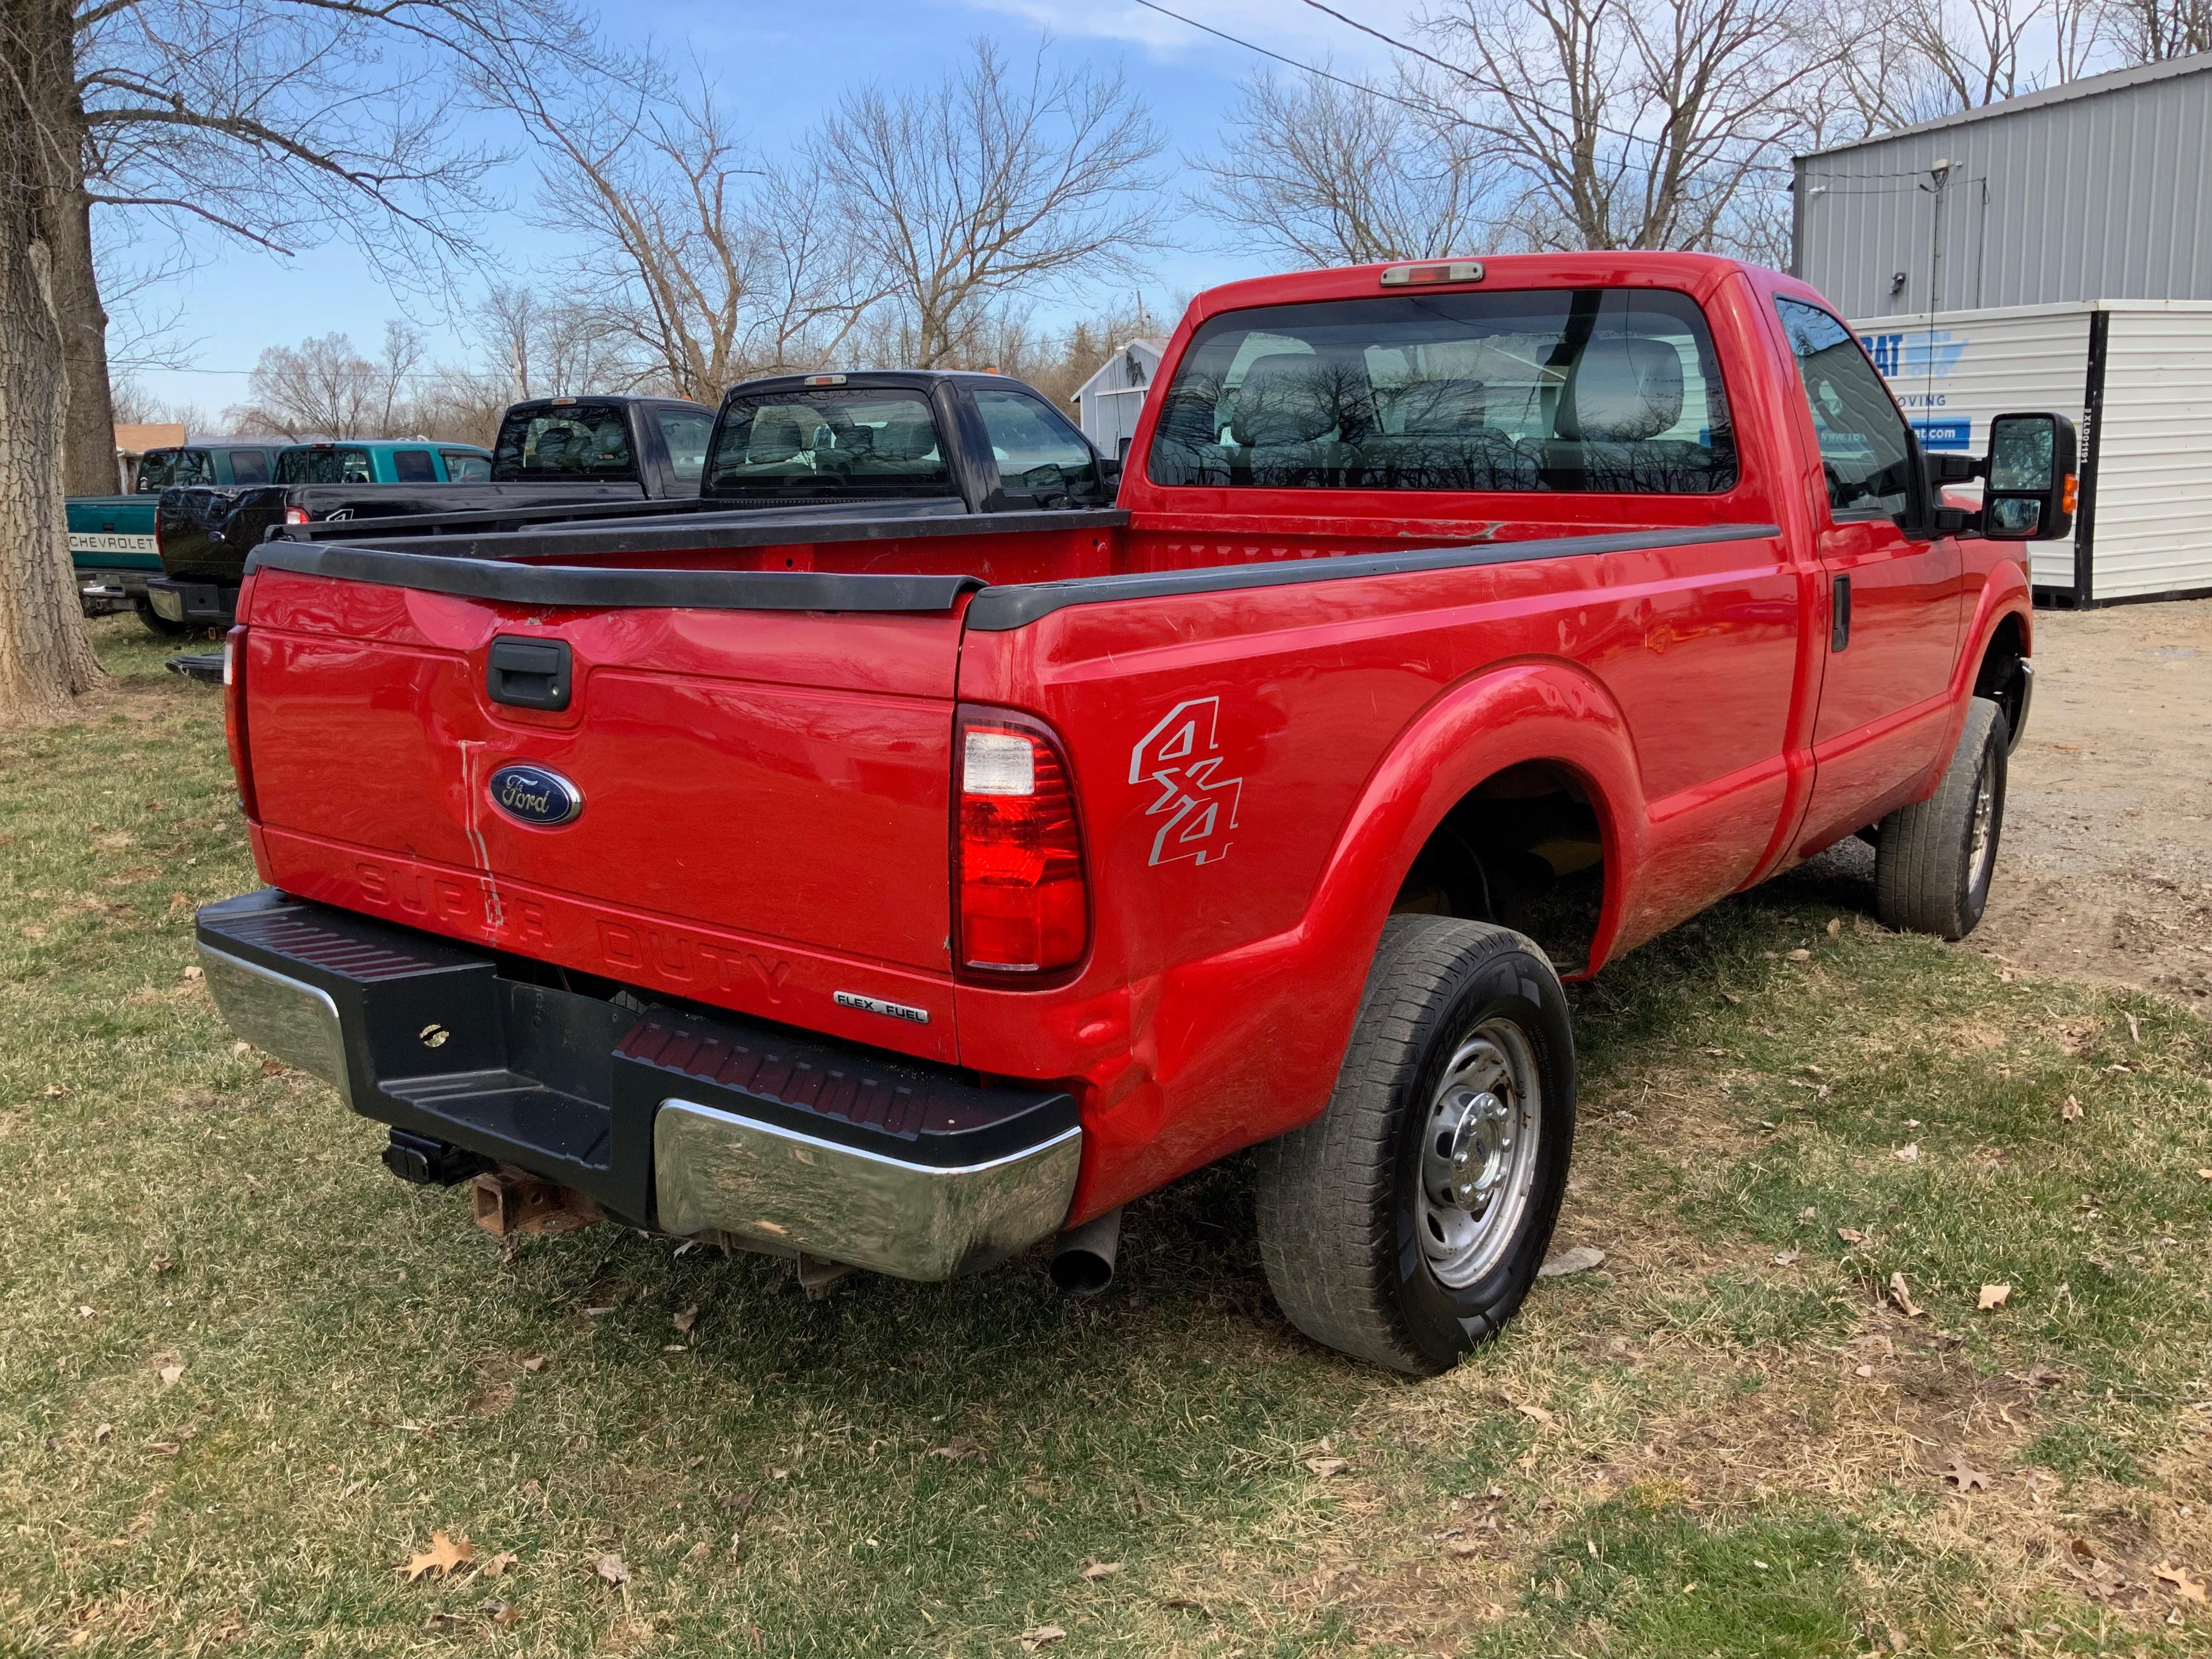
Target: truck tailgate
{"x": 764, "y": 808}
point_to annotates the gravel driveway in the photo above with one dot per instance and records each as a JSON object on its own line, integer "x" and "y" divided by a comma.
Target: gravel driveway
{"x": 2106, "y": 868}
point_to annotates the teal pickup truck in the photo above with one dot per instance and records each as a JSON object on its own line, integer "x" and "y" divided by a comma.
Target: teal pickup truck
{"x": 111, "y": 537}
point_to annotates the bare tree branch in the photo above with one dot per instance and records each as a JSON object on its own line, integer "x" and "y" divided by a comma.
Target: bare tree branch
{"x": 989, "y": 183}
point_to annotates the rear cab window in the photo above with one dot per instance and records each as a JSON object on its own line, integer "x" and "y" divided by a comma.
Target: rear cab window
{"x": 824, "y": 440}
{"x": 1572, "y": 390}
{"x": 248, "y": 466}
{"x": 325, "y": 464}
{"x": 160, "y": 469}
{"x": 413, "y": 466}
{"x": 1040, "y": 456}
{"x": 584, "y": 441}
{"x": 685, "y": 432}
{"x": 1865, "y": 454}
{"x": 466, "y": 466}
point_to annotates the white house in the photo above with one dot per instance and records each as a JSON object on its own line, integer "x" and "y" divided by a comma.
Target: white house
{"x": 1111, "y": 400}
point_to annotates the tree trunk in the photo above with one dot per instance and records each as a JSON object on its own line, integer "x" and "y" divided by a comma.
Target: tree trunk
{"x": 88, "y": 437}
{"x": 46, "y": 656}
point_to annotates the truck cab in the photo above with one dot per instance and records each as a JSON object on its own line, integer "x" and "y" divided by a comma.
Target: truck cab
{"x": 381, "y": 461}
{"x": 110, "y": 537}
{"x": 565, "y": 452}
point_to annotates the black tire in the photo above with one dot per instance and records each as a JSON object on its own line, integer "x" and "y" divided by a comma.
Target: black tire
{"x": 1934, "y": 862}
{"x": 158, "y": 624}
{"x": 1340, "y": 1201}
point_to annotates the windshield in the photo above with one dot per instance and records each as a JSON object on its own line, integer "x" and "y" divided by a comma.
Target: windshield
{"x": 574, "y": 440}
{"x": 1578, "y": 390}
{"x": 325, "y": 464}
{"x": 158, "y": 469}
{"x": 827, "y": 439}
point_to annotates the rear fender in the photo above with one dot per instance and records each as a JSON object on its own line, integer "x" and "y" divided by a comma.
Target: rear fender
{"x": 1202, "y": 1088}
{"x": 1507, "y": 716}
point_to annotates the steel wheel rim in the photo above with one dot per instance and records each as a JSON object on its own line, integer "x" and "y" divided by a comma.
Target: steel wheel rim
{"x": 1983, "y": 845}
{"x": 1477, "y": 1161}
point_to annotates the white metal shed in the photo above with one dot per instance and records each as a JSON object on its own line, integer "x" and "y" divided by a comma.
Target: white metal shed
{"x": 1110, "y": 400}
{"x": 2135, "y": 378}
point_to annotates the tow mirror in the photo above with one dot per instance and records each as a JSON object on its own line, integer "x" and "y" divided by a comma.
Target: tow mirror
{"x": 2031, "y": 480}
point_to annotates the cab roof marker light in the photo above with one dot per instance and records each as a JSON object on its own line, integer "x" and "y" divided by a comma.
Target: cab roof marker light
{"x": 1424, "y": 276}
{"x": 823, "y": 380}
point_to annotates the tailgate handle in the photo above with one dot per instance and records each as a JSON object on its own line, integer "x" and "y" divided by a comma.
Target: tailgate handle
{"x": 530, "y": 673}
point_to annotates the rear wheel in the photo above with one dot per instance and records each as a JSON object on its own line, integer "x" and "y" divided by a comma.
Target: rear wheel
{"x": 156, "y": 623}
{"x": 1935, "y": 859}
{"x": 1407, "y": 1223}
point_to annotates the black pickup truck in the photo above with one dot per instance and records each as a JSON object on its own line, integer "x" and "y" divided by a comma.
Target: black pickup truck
{"x": 907, "y": 442}
{"x": 558, "y": 452}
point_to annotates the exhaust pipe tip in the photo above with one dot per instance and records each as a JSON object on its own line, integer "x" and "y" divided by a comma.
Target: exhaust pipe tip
{"x": 1083, "y": 1260}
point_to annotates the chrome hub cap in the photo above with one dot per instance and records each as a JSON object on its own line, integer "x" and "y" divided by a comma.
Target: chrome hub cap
{"x": 1479, "y": 1153}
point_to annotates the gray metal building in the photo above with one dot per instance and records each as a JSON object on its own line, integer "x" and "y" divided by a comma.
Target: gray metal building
{"x": 2098, "y": 190}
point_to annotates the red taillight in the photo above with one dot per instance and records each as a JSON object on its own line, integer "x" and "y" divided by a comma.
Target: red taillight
{"x": 234, "y": 716}
{"x": 1017, "y": 852}
{"x": 295, "y": 515}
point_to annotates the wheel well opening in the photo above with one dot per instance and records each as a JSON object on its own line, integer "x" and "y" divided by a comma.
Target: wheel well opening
{"x": 1524, "y": 850}
{"x": 1999, "y": 677}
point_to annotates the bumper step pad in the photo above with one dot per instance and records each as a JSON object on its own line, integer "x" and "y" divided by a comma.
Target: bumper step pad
{"x": 432, "y": 1037}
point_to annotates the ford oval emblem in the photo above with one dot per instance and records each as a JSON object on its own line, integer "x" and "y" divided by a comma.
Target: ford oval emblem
{"x": 534, "y": 795}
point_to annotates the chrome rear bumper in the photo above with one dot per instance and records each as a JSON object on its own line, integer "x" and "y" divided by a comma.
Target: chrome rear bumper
{"x": 288, "y": 1018}
{"x": 664, "y": 1118}
{"x": 718, "y": 1170}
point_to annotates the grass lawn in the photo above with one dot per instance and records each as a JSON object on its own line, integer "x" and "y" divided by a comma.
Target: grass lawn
{"x": 246, "y": 1376}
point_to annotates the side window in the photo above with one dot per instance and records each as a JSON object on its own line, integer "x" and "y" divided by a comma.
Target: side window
{"x": 1864, "y": 449}
{"x": 685, "y": 432}
{"x": 413, "y": 466}
{"x": 249, "y": 466}
{"x": 462, "y": 467}
{"x": 1037, "y": 451}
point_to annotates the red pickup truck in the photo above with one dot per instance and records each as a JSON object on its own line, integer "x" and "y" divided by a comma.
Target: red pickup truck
{"x": 901, "y": 893}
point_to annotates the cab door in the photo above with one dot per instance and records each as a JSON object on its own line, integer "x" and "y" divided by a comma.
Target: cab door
{"x": 1892, "y": 595}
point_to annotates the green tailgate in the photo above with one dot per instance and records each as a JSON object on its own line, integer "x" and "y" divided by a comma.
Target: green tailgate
{"x": 113, "y": 532}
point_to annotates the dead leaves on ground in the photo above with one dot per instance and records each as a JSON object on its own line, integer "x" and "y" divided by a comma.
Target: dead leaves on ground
{"x": 612, "y": 1568}
{"x": 1993, "y": 1296}
{"x": 1038, "y": 1635}
{"x": 444, "y": 1555}
{"x": 2184, "y": 1588}
{"x": 1963, "y": 1475}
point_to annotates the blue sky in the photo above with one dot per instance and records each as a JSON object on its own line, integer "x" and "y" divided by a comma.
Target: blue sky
{"x": 780, "y": 66}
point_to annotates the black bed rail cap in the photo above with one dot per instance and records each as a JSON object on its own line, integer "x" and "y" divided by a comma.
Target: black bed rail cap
{"x": 601, "y": 588}
{"x": 999, "y": 609}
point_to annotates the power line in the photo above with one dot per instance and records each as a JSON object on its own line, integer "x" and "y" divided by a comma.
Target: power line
{"x": 1304, "y": 69}
{"x": 1429, "y": 110}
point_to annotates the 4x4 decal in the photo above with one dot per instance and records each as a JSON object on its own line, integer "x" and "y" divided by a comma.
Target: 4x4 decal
{"x": 1182, "y": 756}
